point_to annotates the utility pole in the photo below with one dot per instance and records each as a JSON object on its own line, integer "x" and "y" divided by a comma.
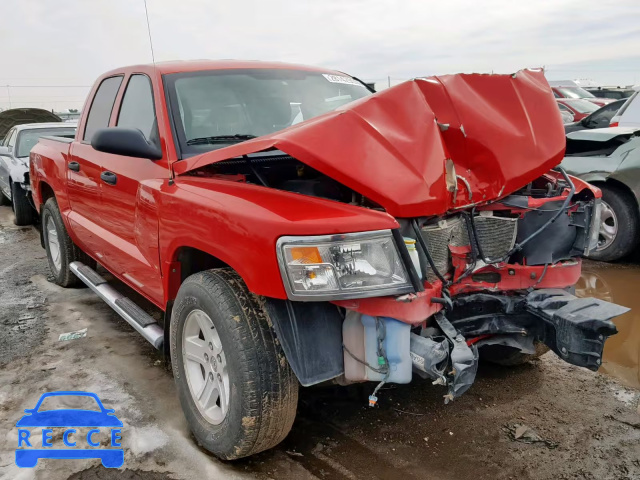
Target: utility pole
{"x": 389, "y": 81}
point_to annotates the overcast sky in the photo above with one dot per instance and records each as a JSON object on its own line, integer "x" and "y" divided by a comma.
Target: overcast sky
{"x": 70, "y": 42}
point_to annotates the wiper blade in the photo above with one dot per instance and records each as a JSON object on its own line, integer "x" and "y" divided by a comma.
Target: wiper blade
{"x": 238, "y": 137}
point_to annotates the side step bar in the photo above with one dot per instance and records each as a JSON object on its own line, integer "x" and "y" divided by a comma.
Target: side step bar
{"x": 135, "y": 316}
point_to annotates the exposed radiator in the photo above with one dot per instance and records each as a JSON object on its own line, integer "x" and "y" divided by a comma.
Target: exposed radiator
{"x": 496, "y": 236}
{"x": 438, "y": 237}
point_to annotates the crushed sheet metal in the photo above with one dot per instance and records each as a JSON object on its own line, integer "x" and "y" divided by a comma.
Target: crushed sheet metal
{"x": 73, "y": 335}
{"x": 390, "y": 148}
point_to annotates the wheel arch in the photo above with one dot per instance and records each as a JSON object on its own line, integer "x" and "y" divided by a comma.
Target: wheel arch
{"x": 184, "y": 262}
{"x": 621, "y": 186}
{"x": 45, "y": 192}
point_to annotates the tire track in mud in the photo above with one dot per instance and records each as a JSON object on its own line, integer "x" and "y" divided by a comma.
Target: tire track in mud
{"x": 22, "y": 309}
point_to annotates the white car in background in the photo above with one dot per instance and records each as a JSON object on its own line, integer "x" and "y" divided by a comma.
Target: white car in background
{"x": 629, "y": 113}
{"x": 14, "y": 164}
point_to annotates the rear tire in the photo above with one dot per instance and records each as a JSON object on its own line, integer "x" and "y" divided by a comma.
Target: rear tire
{"x": 4, "y": 200}
{"x": 622, "y": 223}
{"x": 22, "y": 209}
{"x": 61, "y": 251}
{"x": 257, "y": 406}
{"x": 510, "y": 357}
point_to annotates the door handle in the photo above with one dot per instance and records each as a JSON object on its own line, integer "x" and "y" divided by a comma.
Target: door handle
{"x": 109, "y": 177}
{"x": 75, "y": 166}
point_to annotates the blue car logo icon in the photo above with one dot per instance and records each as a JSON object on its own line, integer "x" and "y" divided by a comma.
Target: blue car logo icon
{"x": 98, "y": 420}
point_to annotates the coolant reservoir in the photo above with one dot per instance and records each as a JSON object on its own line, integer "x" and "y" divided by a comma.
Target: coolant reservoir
{"x": 360, "y": 337}
{"x": 413, "y": 254}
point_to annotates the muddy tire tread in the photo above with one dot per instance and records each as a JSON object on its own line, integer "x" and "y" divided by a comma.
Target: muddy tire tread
{"x": 69, "y": 251}
{"x": 625, "y": 208}
{"x": 270, "y": 407}
{"x": 23, "y": 212}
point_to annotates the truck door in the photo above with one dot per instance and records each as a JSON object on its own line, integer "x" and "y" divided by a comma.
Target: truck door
{"x": 129, "y": 205}
{"x": 83, "y": 172}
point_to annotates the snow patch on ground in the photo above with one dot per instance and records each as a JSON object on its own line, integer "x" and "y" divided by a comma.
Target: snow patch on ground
{"x": 141, "y": 440}
{"x": 628, "y": 397}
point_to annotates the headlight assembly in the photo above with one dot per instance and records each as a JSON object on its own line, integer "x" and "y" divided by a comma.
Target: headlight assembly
{"x": 333, "y": 267}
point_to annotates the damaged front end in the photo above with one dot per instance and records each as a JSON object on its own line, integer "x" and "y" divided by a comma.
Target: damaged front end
{"x": 486, "y": 248}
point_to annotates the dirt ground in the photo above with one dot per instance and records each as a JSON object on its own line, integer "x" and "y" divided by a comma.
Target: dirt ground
{"x": 587, "y": 424}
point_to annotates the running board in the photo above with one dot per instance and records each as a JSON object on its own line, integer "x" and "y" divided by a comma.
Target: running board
{"x": 135, "y": 316}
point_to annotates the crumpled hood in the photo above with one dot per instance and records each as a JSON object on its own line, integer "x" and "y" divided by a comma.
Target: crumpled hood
{"x": 500, "y": 131}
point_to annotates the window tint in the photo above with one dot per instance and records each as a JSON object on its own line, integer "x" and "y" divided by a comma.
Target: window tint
{"x": 603, "y": 116}
{"x": 101, "y": 106}
{"x": 137, "y": 107}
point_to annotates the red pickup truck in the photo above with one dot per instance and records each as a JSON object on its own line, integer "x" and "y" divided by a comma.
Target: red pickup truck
{"x": 297, "y": 228}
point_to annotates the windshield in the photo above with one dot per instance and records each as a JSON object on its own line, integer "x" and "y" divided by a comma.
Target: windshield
{"x": 213, "y": 109}
{"x": 28, "y": 138}
{"x": 583, "y": 106}
{"x": 574, "y": 92}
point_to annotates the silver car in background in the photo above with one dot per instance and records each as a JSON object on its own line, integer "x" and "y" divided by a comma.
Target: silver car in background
{"x": 14, "y": 164}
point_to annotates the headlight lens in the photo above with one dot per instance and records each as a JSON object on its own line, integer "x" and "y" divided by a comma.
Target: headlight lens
{"x": 354, "y": 265}
{"x": 594, "y": 228}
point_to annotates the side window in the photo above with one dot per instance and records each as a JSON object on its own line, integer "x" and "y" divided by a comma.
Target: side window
{"x": 137, "y": 110}
{"x": 564, "y": 108}
{"x": 11, "y": 138}
{"x": 556, "y": 94}
{"x": 101, "y": 106}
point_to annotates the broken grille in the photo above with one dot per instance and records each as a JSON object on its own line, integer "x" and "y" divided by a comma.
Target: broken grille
{"x": 496, "y": 236}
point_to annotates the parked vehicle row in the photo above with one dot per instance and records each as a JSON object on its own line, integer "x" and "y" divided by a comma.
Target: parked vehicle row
{"x": 567, "y": 89}
{"x": 296, "y": 228}
{"x": 601, "y": 118}
{"x": 14, "y": 164}
{"x": 609, "y": 158}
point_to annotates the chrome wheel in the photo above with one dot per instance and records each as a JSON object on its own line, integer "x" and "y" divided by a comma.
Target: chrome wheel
{"x": 53, "y": 244}
{"x": 205, "y": 366}
{"x": 608, "y": 227}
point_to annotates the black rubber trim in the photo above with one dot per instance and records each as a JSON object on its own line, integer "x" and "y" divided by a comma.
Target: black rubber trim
{"x": 141, "y": 317}
{"x": 406, "y": 259}
{"x": 91, "y": 275}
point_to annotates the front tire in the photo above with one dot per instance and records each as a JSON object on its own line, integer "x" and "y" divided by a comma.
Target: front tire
{"x": 22, "y": 209}
{"x": 619, "y": 227}
{"x": 61, "y": 251}
{"x": 236, "y": 388}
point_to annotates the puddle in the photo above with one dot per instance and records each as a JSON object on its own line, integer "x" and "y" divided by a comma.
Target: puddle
{"x": 618, "y": 284}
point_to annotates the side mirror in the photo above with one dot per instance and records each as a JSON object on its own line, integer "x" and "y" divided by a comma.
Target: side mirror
{"x": 128, "y": 142}
{"x": 5, "y": 151}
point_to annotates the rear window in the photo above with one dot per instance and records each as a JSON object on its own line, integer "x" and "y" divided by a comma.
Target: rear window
{"x": 583, "y": 106}
{"x": 574, "y": 92}
{"x": 28, "y": 138}
{"x": 101, "y": 107}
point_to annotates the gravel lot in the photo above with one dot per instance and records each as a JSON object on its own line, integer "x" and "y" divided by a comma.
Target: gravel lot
{"x": 588, "y": 425}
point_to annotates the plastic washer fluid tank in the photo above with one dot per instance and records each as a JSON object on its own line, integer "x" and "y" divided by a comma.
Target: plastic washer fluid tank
{"x": 361, "y": 338}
